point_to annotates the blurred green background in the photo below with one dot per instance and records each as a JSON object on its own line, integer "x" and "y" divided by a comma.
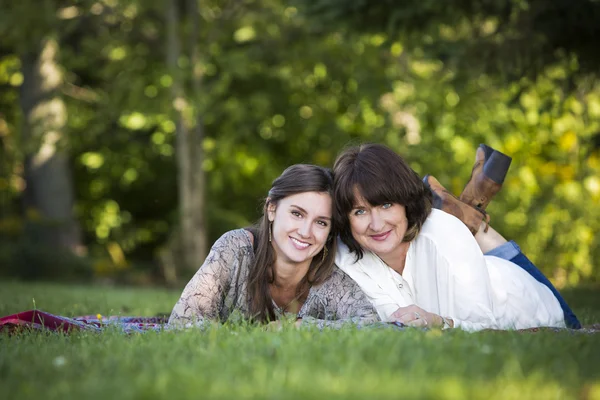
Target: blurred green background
{"x": 134, "y": 133}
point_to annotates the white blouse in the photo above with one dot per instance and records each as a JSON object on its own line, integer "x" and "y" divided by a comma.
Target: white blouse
{"x": 446, "y": 274}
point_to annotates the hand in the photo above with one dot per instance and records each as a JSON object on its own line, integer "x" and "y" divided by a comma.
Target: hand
{"x": 276, "y": 326}
{"x": 415, "y": 316}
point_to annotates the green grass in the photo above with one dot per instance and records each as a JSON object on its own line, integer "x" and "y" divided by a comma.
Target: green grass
{"x": 248, "y": 362}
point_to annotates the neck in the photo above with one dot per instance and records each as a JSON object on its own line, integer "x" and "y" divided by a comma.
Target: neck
{"x": 396, "y": 259}
{"x": 289, "y": 275}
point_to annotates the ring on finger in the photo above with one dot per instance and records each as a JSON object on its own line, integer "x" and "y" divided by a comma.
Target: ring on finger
{"x": 417, "y": 315}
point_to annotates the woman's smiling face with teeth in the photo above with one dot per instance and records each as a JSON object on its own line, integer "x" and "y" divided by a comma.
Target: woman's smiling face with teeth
{"x": 379, "y": 229}
{"x": 301, "y": 225}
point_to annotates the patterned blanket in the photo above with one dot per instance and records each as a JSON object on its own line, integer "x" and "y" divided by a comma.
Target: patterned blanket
{"x": 40, "y": 320}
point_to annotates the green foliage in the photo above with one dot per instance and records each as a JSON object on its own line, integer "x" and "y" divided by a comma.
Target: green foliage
{"x": 279, "y": 87}
{"x": 514, "y": 37}
{"x": 236, "y": 360}
{"x": 30, "y": 261}
{"x": 23, "y": 256}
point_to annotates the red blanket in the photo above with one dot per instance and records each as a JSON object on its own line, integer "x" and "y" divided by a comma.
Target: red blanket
{"x": 40, "y": 320}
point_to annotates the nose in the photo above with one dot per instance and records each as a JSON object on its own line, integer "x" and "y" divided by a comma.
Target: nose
{"x": 376, "y": 223}
{"x": 304, "y": 228}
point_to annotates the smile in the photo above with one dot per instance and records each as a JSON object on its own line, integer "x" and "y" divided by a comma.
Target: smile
{"x": 298, "y": 244}
{"x": 381, "y": 236}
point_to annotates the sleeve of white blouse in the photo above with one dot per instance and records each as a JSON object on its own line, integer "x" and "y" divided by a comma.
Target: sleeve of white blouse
{"x": 338, "y": 302}
{"x": 202, "y": 298}
{"x": 464, "y": 287}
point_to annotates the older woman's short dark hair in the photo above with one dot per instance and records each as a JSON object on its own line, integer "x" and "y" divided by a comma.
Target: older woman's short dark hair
{"x": 381, "y": 176}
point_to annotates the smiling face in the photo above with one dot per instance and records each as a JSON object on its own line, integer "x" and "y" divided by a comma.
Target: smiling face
{"x": 382, "y": 177}
{"x": 380, "y": 228}
{"x": 301, "y": 225}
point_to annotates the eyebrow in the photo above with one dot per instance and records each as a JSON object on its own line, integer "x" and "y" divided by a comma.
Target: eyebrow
{"x": 359, "y": 205}
{"x": 304, "y": 211}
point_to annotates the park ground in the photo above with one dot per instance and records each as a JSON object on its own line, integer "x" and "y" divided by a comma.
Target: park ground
{"x": 242, "y": 361}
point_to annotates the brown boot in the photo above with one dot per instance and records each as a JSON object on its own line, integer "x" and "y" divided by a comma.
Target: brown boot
{"x": 487, "y": 177}
{"x": 446, "y": 201}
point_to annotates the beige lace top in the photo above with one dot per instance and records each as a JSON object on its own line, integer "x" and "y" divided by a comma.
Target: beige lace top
{"x": 219, "y": 289}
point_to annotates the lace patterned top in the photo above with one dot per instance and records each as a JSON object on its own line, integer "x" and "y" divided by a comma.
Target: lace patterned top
{"x": 219, "y": 289}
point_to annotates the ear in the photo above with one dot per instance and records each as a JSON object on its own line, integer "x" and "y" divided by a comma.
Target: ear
{"x": 271, "y": 210}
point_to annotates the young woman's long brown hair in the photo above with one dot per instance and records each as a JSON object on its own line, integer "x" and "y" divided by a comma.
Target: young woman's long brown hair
{"x": 299, "y": 178}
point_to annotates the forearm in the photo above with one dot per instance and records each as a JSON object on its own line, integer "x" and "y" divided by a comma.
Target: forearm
{"x": 185, "y": 322}
{"x": 357, "y": 322}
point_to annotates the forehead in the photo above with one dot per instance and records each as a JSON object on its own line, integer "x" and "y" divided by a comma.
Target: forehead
{"x": 371, "y": 196}
{"x": 317, "y": 203}
{"x": 358, "y": 198}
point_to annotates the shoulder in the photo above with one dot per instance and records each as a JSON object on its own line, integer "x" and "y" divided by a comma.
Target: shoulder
{"x": 443, "y": 227}
{"x": 446, "y": 234}
{"x": 231, "y": 252}
{"x": 440, "y": 222}
{"x": 235, "y": 240}
{"x": 241, "y": 235}
{"x": 337, "y": 281}
{"x": 337, "y": 275}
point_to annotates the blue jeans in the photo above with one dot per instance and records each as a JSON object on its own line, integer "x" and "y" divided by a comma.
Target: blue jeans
{"x": 512, "y": 252}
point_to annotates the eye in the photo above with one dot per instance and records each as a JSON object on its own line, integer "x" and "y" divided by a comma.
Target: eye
{"x": 360, "y": 211}
{"x": 385, "y": 206}
{"x": 296, "y": 214}
{"x": 323, "y": 223}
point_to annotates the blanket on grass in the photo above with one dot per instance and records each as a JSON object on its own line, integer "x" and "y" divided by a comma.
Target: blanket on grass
{"x": 40, "y": 320}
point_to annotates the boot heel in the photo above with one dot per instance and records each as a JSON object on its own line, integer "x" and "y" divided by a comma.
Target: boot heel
{"x": 496, "y": 167}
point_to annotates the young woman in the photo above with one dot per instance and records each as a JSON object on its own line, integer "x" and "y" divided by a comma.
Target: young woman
{"x": 422, "y": 266}
{"x": 284, "y": 265}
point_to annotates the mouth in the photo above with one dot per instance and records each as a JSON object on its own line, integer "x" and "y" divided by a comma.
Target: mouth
{"x": 380, "y": 237}
{"x": 300, "y": 245}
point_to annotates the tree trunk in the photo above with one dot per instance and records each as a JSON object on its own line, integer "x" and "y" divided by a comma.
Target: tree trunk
{"x": 192, "y": 230}
{"x": 7, "y": 165}
{"x": 196, "y": 145}
{"x": 49, "y": 196}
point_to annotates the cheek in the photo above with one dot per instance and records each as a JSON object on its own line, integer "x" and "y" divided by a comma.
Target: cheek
{"x": 323, "y": 235}
{"x": 356, "y": 225}
{"x": 280, "y": 228}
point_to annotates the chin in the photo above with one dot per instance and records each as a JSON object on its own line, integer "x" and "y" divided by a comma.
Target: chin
{"x": 381, "y": 249}
{"x": 298, "y": 258}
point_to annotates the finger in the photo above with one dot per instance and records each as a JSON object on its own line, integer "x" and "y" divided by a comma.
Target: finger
{"x": 405, "y": 310}
{"x": 418, "y": 323}
{"x": 407, "y": 317}
{"x": 399, "y": 312}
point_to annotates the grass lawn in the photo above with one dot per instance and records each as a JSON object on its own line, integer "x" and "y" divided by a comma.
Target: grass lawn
{"x": 249, "y": 362}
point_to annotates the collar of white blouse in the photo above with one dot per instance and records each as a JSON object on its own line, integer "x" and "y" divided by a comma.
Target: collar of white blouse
{"x": 386, "y": 289}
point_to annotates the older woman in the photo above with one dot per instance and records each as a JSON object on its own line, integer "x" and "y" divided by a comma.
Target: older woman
{"x": 284, "y": 265}
{"x": 422, "y": 266}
